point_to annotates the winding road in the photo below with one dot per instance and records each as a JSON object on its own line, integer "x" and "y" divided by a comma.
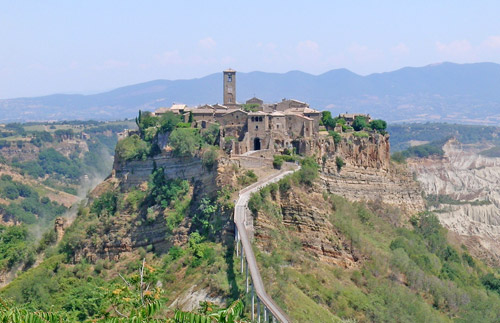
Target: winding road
{"x": 240, "y": 219}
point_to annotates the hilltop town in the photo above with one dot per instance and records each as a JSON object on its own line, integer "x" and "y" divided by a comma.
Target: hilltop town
{"x": 256, "y": 125}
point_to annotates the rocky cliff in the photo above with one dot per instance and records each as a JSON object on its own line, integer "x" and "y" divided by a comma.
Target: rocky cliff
{"x": 471, "y": 183}
{"x": 367, "y": 173}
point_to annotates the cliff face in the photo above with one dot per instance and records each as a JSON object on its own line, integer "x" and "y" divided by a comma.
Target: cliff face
{"x": 306, "y": 217}
{"x": 367, "y": 173}
{"x": 472, "y": 181}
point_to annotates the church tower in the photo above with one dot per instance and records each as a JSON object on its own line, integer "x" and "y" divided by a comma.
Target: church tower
{"x": 229, "y": 87}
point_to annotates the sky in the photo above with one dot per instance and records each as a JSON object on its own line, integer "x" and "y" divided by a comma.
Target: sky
{"x": 85, "y": 47}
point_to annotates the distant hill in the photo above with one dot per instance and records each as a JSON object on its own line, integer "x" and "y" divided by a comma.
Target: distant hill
{"x": 446, "y": 92}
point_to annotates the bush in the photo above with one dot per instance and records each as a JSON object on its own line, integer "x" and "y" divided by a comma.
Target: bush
{"x": 185, "y": 141}
{"x": 398, "y": 157}
{"x": 169, "y": 121}
{"x": 131, "y": 148}
{"x": 336, "y": 136}
{"x": 359, "y": 123}
{"x": 361, "y": 134}
{"x": 339, "y": 162}
{"x": 210, "y": 157}
{"x": 308, "y": 172}
{"x": 105, "y": 204}
{"x": 211, "y": 134}
{"x": 378, "y": 125}
{"x": 277, "y": 162}
{"x": 248, "y": 178}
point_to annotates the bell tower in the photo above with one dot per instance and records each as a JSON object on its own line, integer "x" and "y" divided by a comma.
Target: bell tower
{"x": 229, "y": 87}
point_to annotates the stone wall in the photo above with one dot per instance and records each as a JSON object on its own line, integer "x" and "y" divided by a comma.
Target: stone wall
{"x": 134, "y": 173}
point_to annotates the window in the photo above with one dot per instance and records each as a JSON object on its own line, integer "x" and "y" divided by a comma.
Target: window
{"x": 256, "y": 127}
{"x": 230, "y": 77}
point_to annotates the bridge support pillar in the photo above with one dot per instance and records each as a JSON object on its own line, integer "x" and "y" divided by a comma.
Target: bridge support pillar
{"x": 253, "y": 303}
{"x": 246, "y": 263}
{"x": 258, "y": 310}
{"x": 265, "y": 313}
{"x": 242, "y": 261}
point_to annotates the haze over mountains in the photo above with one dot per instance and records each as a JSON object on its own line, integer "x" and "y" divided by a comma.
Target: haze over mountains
{"x": 446, "y": 92}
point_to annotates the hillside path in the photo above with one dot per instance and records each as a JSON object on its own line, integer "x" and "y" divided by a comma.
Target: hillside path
{"x": 240, "y": 219}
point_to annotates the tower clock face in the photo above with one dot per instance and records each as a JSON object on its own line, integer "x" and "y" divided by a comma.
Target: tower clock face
{"x": 229, "y": 89}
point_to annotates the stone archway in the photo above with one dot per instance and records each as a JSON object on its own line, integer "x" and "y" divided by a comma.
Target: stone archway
{"x": 256, "y": 144}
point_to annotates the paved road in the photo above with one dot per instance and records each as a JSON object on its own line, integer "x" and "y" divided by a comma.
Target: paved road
{"x": 239, "y": 219}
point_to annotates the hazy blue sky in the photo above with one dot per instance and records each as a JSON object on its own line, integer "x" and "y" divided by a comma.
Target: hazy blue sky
{"x": 86, "y": 46}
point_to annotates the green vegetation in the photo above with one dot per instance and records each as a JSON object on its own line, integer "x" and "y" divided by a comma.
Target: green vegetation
{"x": 434, "y": 148}
{"x": 26, "y": 205}
{"x": 359, "y": 123}
{"x": 163, "y": 191}
{"x": 339, "y": 162}
{"x": 327, "y": 120}
{"x": 278, "y": 160}
{"x": 398, "y": 274}
{"x": 250, "y": 107}
{"x": 336, "y": 136}
{"x": 185, "y": 141}
{"x": 402, "y": 134}
{"x": 132, "y": 147}
{"x": 249, "y": 177}
{"x": 436, "y": 200}
{"x": 361, "y": 134}
{"x": 378, "y": 125}
{"x": 492, "y": 152}
{"x": 52, "y": 162}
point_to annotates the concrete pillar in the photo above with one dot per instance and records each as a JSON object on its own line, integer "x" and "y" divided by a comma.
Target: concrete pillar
{"x": 253, "y": 303}
{"x": 265, "y": 313}
{"x": 258, "y": 310}
{"x": 237, "y": 244}
{"x": 242, "y": 261}
{"x": 246, "y": 270}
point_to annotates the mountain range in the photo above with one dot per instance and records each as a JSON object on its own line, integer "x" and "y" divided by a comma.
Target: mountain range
{"x": 445, "y": 92}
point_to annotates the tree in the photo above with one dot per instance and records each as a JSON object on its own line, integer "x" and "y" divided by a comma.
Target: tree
{"x": 327, "y": 120}
{"x": 211, "y": 134}
{"x": 359, "y": 123}
{"x": 132, "y": 147}
{"x": 378, "y": 125}
{"x": 185, "y": 141}
{"x": 168, "y": 121}
{"x": 339, "y": 162}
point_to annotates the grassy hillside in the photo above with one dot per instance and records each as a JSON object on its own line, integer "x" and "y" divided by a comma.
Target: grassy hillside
{"x": 407, "y": 272}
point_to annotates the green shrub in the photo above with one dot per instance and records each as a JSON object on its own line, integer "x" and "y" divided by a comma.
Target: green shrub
{"x": 361, "y": 134}
{"x": 106, "y": 204}
{"x": 336, "y": 136}
{"x": 185, "y": 141}
{"x": 359, "y": 123}
{"x": 378, "y": 125}
{"x": 277, "y": 161}
{"x": 308, "y": 172}
{"x": 132, "y": 147}
{"x": 339, "y": 162}
{"x": 211, "y": 134}
{"x": 248, "y": 178}
{"x": 210, "y": 157}
{"x": 398, "y": 157}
